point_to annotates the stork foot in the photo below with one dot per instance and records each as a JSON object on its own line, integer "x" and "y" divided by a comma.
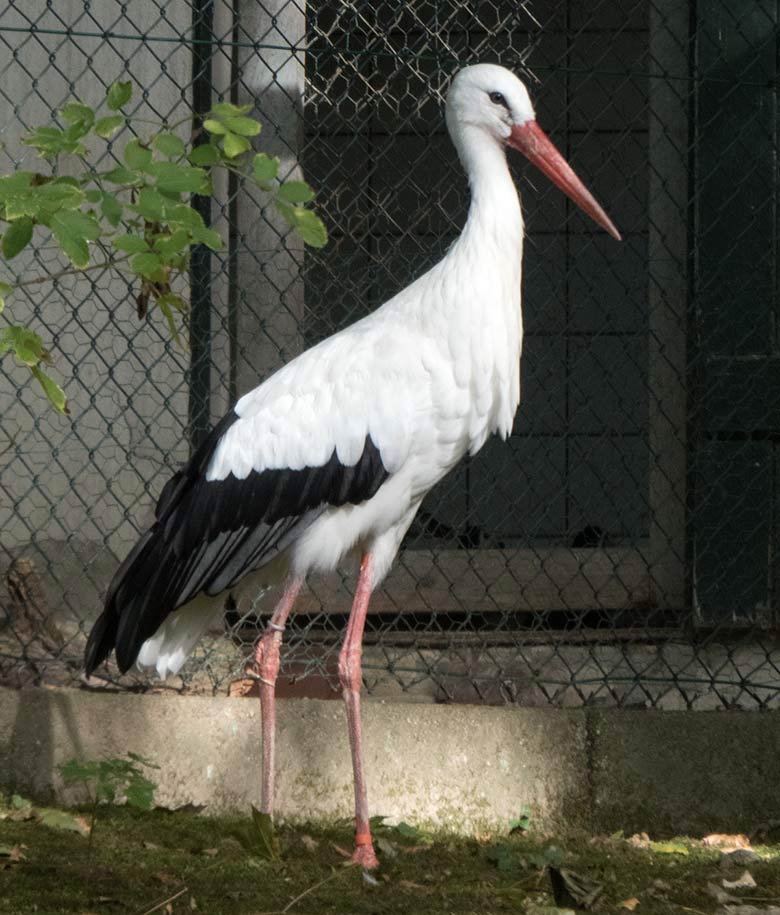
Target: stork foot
{"x": 365, "y": 857}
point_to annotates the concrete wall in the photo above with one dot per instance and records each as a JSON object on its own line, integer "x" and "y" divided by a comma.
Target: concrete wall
{"x": 465, "y": 768}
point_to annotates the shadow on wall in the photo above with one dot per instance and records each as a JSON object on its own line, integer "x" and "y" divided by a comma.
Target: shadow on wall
{"x": 43, "y": 721}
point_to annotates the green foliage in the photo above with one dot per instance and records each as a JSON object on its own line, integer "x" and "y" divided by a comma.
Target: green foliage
{"x": 259, "y": 837}
{"x": 138, "y": 212}
{"x": 521, "y": 823}
{"x": 107, "y": 779}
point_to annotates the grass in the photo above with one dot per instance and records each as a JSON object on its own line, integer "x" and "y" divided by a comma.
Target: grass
{"x": 177, "y": 863}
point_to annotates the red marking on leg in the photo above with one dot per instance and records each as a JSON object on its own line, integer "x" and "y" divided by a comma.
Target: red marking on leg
{"x": 351, "y": 679}
{"x": 267, "y": 669}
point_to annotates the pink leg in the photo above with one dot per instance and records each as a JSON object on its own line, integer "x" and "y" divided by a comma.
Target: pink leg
{"x": 267, "y": 669}
{"x": 351, "y": 679}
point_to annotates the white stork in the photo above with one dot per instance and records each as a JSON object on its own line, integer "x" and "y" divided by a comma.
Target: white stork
{"x": 334, "y": 453}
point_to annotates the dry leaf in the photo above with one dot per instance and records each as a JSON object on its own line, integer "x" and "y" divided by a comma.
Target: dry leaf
{"x": 669, "y": 848}
{"x": 639, "y": 840}
{"x": 309, "y": 843}
{"x": 572, "y": 889}
{"x": 748, "y": 910}
{"x": 10, "y": 855}
{"x": 168, "y": 909}
{"x": 723, "y": 840}
{"x": 243, "y": 687}
{"x": 411, "y": 885}
{"x": 746, "y": 881}
{"x": 211, "y": 852}
{"x": 718, "y": 894}
{"x": 342, "y": 851}
{"x": 629, "y": 904}
{"x": 386, "y": 847}
{"x": 167, "y": 879}
{"x": 659, "y": 887}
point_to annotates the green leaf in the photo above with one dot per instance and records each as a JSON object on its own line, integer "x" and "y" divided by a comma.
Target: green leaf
{"x": 169, "y": 145}
{"x": 151, "y": 204}
{"x": 167, "y": 312}
{"x": 118, "y": 95}
{"x": 205, "y": 154}
{"x": 185, "y": 216}
{"x": 122, "y": 175}
{"x": 73, "y": 229}
{"x": 147, "y": 265}
{"x": 264, "y": 168}
{"x": 173, "y": 178}
{"x": 79, "y": 116}
{"x": 27, "y": 346}
{"x": 50, "y": 141}
{"x": 171, "y": 300}
{"x": 5, "y": 291}
{"x": 74, "y": 247}
{"x": 107, "y": 127}
{"x": 234, "y": 145}
{"x": 295, "y": 192}
{"x": 208, "y": 237}
{"x": 59, "y": 194}
{"x": 111, "y": 208}
{"x": 228, "y": 110}
{"x": 82, "y": 224}
{"x": 306, "y": 223}
{"x": 213, "y": 126}
{"x": 177, "y": 241}
{"x": 140, "y": 793}
{"x": 263, "y": 835}
{"x": 521, "y": 823}
{"x": 133, "y": 244}
{"x": 244, "y": 127}
{"x": 13, "y": 185}
{"x": 62, "y": 819}
{"x": 75, "y": 771}
{"x": 136, "y": 155}
{"x": 58, "y": 399}
{"x": 17, "y": 236}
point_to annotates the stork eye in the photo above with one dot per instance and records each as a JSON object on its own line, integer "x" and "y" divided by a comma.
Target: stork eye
{"x": 498, "y": 99}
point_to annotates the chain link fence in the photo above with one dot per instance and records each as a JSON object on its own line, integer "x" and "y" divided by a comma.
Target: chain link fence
{"x": 621, "y": 548}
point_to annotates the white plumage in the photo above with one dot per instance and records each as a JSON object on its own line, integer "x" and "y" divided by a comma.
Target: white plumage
{"x": 336, "y": 451}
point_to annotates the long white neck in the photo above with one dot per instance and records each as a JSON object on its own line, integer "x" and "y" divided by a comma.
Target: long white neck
{"x": 486, "y": 265}
{"x": 495, "y": 219}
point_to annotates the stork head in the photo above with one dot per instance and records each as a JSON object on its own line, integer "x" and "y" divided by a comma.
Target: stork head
{"x": 492, "y": 101}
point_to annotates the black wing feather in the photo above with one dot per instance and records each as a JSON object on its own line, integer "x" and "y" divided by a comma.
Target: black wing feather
{"x": 209, "y": 534}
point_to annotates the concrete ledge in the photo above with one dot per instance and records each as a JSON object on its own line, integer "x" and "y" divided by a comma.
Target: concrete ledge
{"x": 685, "y": 772}
{"x": 465, "y": 768}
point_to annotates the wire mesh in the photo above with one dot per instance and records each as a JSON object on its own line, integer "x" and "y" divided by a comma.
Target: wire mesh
{"x": 620, "y": 548}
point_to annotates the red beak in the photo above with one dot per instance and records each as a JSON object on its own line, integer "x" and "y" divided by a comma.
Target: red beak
{"x": 534, "y": 143}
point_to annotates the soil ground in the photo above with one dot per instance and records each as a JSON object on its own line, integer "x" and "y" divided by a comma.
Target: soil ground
{"x": 183, "y": 862}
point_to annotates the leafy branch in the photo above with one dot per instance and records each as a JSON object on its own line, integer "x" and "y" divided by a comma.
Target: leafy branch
{"x": 137, "y": 212}
{"x": 105, "y": 780}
